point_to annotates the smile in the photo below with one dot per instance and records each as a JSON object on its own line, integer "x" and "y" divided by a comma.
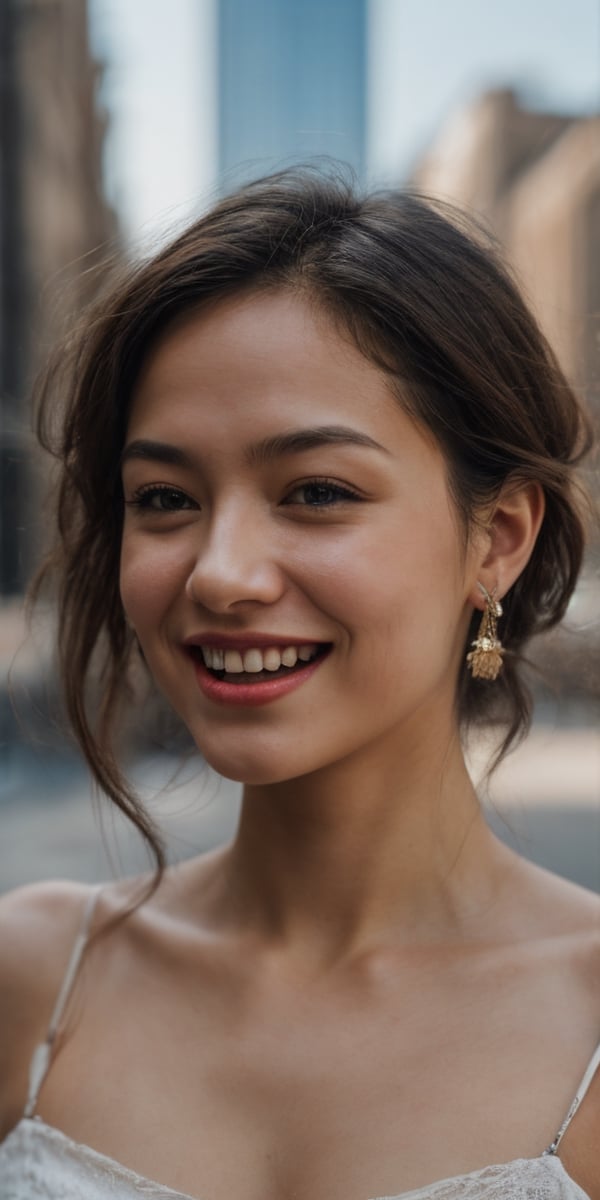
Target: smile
{"x": 256, "y": 660}
{"x": 254, "y": 675}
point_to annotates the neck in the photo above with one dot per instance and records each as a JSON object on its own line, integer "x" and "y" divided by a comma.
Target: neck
{"x": 364, "y": 853}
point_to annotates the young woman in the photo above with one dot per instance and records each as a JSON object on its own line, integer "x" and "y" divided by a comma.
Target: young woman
{"x": 317, "y": 470}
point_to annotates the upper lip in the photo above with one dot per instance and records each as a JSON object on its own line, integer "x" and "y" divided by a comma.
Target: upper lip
{"x": 249, "y": 641}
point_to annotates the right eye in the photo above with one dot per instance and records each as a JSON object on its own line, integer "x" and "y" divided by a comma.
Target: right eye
{"x": 160, "y": 498}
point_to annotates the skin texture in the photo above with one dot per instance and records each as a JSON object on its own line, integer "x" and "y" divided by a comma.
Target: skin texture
{"x": 366, "y": 991}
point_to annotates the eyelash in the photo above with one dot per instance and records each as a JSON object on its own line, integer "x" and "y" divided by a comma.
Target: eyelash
{"x": 144, "y": 497}
{"x": 342, "y": 495}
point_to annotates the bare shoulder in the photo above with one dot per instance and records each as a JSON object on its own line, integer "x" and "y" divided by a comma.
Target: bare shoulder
{"x": 561, "y": 921}
{"x": 575, "y": 906}
{"x": 579, "y": 910}
{"x": 37, "y": 923}
{"x": 558, "y": 903}
{"x": 38, "y": 926}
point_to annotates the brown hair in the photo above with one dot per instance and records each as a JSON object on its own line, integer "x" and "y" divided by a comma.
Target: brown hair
{"x": 424, "y": 295}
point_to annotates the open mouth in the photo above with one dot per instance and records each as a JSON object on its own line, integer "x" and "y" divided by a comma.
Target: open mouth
{"x": 257, "y": 665}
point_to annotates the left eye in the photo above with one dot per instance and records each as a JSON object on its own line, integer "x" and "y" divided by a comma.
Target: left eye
{"x": 320, "y": 494}
{"x": 161, "y": 499}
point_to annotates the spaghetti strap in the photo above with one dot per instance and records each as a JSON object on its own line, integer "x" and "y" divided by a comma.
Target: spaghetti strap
{"x": 41, "y": 1057}
{"x": 590, "y": 1072}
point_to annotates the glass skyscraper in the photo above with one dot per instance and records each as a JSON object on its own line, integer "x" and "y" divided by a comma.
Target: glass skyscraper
{"x": 292, "y": 84}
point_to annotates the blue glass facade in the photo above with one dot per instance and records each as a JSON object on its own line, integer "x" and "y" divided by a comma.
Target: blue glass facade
{"x": 292, "y": 83}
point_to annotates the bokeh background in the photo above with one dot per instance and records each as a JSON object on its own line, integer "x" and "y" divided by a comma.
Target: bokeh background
{"x": 120, "y": 120}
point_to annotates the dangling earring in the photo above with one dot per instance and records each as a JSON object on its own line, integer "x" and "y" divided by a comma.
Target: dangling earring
{"x": 485, "y": 660}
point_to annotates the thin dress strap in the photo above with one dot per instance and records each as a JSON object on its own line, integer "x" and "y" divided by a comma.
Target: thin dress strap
{"x": 40, "y": 1060}
{"x": 591, "y": 1069}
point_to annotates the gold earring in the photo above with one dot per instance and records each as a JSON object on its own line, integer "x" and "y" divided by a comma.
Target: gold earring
{"x": 485, "y": 659}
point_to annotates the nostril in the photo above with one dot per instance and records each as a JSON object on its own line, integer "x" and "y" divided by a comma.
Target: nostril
{"x": 219, "y": 581}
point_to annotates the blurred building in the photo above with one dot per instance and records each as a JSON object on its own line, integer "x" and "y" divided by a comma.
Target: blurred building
{"x": 292, "y": 84}
{"x": 53, "y": 220}
{"x": 535, "y": 178}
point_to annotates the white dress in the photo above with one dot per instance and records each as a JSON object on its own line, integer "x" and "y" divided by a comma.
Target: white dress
{"x": 38, "y": 1162}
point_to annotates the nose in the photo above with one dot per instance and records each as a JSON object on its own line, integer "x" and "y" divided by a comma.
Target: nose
{"x": 235, "y": 565}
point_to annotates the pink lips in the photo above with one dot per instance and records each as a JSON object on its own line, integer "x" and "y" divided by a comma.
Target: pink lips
{"x": 249, "y": 695}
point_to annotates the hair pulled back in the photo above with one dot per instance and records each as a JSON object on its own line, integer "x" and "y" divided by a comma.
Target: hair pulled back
{"x": 424, "y": 297}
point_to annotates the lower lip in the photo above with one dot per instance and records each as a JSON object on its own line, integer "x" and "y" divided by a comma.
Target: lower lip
{"x": 251, "y": 695}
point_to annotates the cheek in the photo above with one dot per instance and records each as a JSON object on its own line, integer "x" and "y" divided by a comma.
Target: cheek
{"x": 152, "y": 573}
{"x": 400, "y": 597}
{"x": 408, "y": 568}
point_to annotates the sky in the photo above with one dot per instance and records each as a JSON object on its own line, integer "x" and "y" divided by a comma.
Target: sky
{"x": 426, "y": 58}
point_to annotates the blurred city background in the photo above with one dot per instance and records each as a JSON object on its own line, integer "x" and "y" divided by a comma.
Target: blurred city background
{"x": 120, "y": 120}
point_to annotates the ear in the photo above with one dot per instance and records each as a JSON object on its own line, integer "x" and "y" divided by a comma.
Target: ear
{"x": 511, "y": 534}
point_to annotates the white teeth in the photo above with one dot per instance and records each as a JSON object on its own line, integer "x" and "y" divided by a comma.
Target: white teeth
{"x": 233, "y": 662}
{"x": 253, "y": 661}
{"x": 256, "y": 660}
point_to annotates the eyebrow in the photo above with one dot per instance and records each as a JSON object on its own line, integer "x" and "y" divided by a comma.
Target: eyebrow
{"x": 149, "y": 451}
{"x": 260, "y": 453}
{"x": 298, "y": 440}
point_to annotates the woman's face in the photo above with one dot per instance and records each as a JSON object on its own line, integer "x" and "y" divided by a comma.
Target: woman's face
{"x": 279, "y": 500}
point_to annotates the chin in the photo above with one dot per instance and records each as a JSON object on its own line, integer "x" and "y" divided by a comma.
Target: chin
{"x": 249, "y": 774}
{"x": 258, "y": 768}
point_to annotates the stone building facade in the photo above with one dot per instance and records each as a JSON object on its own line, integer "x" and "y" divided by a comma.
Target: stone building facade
{"x": 55, "y": 226}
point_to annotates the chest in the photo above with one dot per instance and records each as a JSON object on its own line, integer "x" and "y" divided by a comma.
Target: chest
{"x": 272, "y": 1091}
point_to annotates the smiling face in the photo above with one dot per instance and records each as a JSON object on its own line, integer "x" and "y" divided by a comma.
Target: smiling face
{"x": 278, "y": 499}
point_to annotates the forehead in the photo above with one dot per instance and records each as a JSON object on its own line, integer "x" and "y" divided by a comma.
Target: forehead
{"x": 259, "y": 364}
{"x": 255, "y": 354}
{"x": 265, "y": 327}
